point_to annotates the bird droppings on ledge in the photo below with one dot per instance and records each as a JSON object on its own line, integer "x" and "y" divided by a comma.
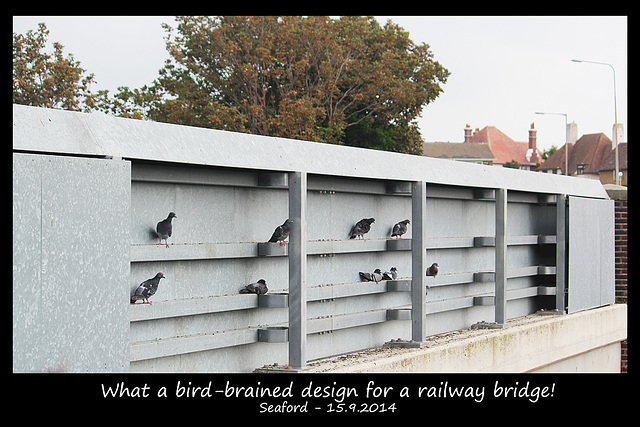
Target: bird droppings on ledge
{"x": 486, "y": 325}
{"x": 399, "y": 346}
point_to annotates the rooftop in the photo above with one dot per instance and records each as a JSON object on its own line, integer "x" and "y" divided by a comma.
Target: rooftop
{"x": 502, "y": 146}
{"x": 458, "y": 151}
{"x": 608, "y": 164}
{"x": 590, "y": 150}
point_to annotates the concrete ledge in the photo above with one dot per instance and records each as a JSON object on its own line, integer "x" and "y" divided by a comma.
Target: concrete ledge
{"x": 578, "y": 342}
{"x": 616, "y": 192}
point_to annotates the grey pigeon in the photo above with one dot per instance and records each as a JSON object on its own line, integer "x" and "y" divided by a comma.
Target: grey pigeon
{"x": 361, "y": 228}
{"x": 400, "y": 228}
{"x": 260, "y": 287}
{"x": 164, "y": 228}
{"x": 146, "y": 289}
{"x": 281, "y": 233}
{"x": 433, "y": 270}
{"x": 376, "y": 276}
{"x": 391, "y": 274}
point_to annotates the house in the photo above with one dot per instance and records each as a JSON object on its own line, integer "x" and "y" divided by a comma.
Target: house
{"x": 488, "y": 146}
{"x": 607, "y": 168}
{"x": 586, "y": 156}
{"x": 505, "y": 149}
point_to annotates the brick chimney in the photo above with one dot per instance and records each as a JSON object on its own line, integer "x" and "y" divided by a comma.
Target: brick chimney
{"x": 467, "y": 134}
{"x": 532, "y": 144}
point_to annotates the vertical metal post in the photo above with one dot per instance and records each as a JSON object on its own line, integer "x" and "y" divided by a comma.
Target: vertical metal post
{"x": 501, "y": 256}
{"x": 418, "y": 261}
{"x": 561, "y": 250}
{"x": 298, "y": 270}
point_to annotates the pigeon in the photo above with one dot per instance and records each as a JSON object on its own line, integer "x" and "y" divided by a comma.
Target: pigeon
{"x": 146, "y": 289}
{"x": 400, "y": 228}
{"x": 164, "y": 227}
{"x": 376, "y": 276}
{"x": 433, "y": 270}
{"x": 281, "y": 233}
{"x": 260, "y": 287}
{"x": 361, "y": 228}
{"x": 391, "y": 274}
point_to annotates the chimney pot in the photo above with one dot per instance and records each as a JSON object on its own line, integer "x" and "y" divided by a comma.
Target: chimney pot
{"x": 467, "y": 134}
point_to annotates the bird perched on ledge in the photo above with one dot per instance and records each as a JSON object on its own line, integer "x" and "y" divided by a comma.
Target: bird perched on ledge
{"x": 433, "y": 270}
{"x": 361, "y": 228}
{"x": 281, "y": 233}
{"x": 147, "y": 289}
{"x": 400, "y": 228}
{"x": 260, "y": 287}
{"x": 391, "y": 274}
{"x": 164, "y": 228}
{"x": 376, "y": 276}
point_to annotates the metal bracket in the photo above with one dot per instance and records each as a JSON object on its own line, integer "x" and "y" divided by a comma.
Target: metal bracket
{"x": 399, "y": 314}
{"x": 272, "y": 249}
{"x": 275, "y": 300}
{"x": 273, "y": 334}
{"x": 273, "y": 179}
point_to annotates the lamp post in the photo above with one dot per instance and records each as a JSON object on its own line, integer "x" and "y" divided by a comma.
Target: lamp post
{"x": 615, "y": 112}
{"x": 566, "y": 142}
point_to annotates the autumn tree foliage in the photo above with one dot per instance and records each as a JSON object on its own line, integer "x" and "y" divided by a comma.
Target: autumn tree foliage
{"x": 344, "y": 81}
{"x": 48, "y": 80}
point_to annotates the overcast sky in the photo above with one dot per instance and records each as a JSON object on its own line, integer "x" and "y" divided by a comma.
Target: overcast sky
{"x": 503, "y": 69}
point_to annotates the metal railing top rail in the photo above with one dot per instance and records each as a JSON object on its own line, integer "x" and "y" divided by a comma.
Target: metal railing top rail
{"x": 66, "y": 132}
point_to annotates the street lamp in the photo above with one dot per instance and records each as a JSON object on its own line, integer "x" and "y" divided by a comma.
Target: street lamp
{"x": 566, "y": 143}
{"x": 615, "y": 112}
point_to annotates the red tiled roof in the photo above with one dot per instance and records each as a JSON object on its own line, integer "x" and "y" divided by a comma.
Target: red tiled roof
{"x": 503, "y": 148}
{"x": 556, "y": 160}
{"x": 608, "y": 164}
{"x": 590, "y": 150}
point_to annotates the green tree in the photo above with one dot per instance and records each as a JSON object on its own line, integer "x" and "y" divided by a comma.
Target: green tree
{"x": 346, "y": 80}
{"x": 48, "y": 80}
{"x": 512, "y": 164}
{"x": 547, "y": 153}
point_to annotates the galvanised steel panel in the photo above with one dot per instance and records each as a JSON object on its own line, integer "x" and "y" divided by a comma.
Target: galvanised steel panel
{"x": 209, "y": 323}
{"x": 353, "y": 339}
{"x": 70, "y": 262}
{"x": 298, "y": 270}
{"x": 591, "y": 253}
{"x": 27, "y": 268}
{"x": 232, "y": 359}
{"x": 206, "y": 278}
{"x": 331, "y": 215}
{"x": 50, "y": 130}
{"x": 206, "y": 213}
{"x": 459, "y": 218}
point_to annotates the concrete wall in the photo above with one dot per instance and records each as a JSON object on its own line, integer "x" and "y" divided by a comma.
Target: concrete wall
{"x": 588, "y": 341}
{"x": 108, "y": 181}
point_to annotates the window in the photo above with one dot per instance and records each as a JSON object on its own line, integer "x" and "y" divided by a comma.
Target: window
{"x": 580, "y": 170}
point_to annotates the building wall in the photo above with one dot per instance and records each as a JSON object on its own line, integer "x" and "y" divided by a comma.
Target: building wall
{"x": 621, "y": 257}
{"x": 608, "y": 177}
